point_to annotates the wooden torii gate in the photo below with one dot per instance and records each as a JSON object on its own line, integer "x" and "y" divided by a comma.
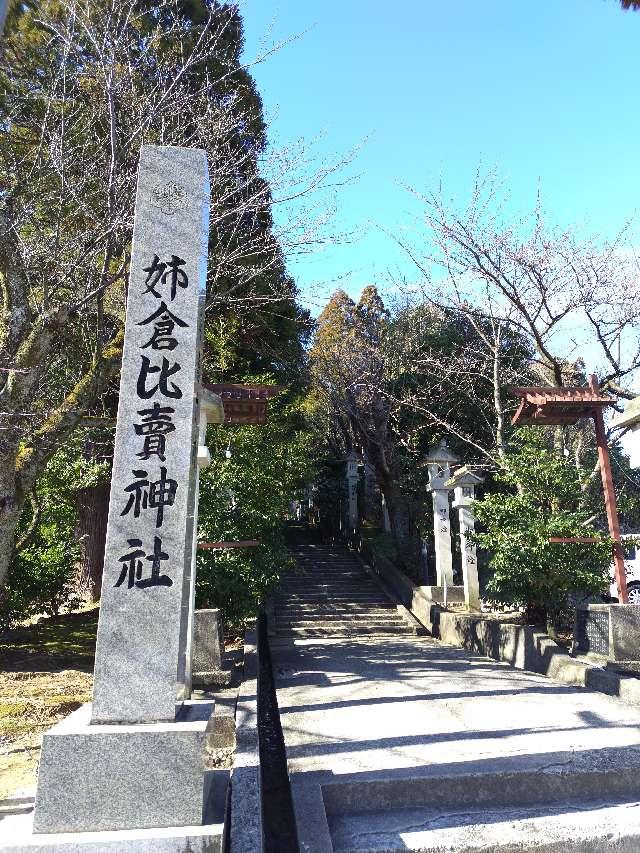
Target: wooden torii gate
{"x": 544, "y": 406}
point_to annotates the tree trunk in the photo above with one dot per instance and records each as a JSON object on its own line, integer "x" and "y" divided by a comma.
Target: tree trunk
{"x": 10, "y": 504}
{"x": 93, "y": 511}
{"x": 9, "y": 518}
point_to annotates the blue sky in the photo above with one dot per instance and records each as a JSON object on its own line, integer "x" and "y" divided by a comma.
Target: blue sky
{"x": 544, "y": 90}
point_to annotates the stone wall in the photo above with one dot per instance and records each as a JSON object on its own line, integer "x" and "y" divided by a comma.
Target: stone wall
{"x": 520, "y": 646}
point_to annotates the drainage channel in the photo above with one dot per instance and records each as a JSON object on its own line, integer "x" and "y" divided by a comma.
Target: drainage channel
{"x": 279, "y": 824}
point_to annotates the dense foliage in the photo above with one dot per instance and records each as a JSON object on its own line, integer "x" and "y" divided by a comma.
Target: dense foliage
{"x": 246, "y": 497}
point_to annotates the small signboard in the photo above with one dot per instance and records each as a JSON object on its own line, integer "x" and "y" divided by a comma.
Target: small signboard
{"x": 244, "y": 404}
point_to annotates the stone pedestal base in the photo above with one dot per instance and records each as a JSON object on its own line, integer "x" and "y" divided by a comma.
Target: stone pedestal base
{"x": 179, "y": 839}
{"x": 609, "y": 630}
{"x": 455, "y": 594}
{"x": 115, "y": 777}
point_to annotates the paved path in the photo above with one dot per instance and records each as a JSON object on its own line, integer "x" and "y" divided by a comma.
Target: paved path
{"x": 398, "y": 742}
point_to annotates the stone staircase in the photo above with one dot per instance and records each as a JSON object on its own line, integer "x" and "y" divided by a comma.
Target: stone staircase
{"x": 332, "y": 595}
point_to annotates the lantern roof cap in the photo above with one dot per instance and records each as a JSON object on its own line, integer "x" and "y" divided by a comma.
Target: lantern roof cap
{"x": 441, "y": 454}
{"x": 464, "y": 477}
{"x": 631, "y": 415}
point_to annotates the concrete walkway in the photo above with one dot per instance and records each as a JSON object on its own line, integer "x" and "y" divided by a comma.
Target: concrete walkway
{"x": 402, "y": 743}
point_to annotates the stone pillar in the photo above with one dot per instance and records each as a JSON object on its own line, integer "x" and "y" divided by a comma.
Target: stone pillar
{"x": 469, "y": 558}
{"x": 352, "y": 492}
{"x": 442, "y": 537}
{"x": 211, "y": 412}
{"x": 370, "y": 511}
{"x": 107, "y": 766}
{"x": 464, "y": 484}
{"x": 386, "y": 521}
{"x": 208, "y": 648}
{"x": 439, "y": 462}
{"x": 142, "y": 627}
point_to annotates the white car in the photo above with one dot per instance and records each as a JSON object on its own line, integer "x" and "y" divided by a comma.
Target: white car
{"x": 632, "y": 565}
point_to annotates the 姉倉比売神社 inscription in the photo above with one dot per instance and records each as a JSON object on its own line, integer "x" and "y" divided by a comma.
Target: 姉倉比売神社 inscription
{"x": 142, "y": 627}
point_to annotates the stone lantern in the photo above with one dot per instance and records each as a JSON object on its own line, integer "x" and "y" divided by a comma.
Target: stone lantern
{"x": 439, "y": 462}
{"x": 464, "y": 484}
{"x": 630, "y": 418}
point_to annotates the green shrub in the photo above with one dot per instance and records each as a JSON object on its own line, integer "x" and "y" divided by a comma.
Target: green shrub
{"x": 540, "y": 498}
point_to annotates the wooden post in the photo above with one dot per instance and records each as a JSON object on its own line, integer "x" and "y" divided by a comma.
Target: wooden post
{"x": 610, "y": 501}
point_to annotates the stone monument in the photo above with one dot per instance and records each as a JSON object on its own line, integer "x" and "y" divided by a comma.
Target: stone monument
{"x": 134, "y": 758}
{"x": 439, "y": 462}
{"x": 464, "y": 483}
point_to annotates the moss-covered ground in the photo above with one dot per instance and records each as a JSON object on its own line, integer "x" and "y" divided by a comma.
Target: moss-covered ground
{"x": 45, "y": 673}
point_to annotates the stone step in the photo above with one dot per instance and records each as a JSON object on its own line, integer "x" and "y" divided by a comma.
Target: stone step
{"x": 318, "y": 599}
{"x": 342, "y": 617}
{"x": 321, "y": 601}
{"x": 338, "y": 588}
{"x": 296, "y": 613}
{"x": 349, "y": 631}
{"x": 562, "y": 827}
{"x": 587, "y": 804}
{"x": 354, "y": 583}
{"x": 324, "y": 589}
{"x": 345, "y": 610}
{"x": 329, "y": 578}
{"x": 316, "y": 583}
{"x": 305, "y": 571}
{"x": 329, "y": 590}
{"x": 283, "y": 627}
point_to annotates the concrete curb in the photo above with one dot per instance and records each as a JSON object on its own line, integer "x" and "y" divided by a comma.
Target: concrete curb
{"x": 521, "y": 646}
{"x": 246, "y": 831}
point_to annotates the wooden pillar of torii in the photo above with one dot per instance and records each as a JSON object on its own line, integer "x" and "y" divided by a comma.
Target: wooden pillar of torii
{"x": 564, "y": 407}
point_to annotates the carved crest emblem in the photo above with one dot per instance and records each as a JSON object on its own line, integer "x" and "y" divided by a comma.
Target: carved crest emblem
{"x": 169, "y": 197}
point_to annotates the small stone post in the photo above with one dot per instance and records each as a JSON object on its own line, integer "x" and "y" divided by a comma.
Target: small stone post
{"x": 439, "y": 462}
{"x": 352, "y": 491}
{"x": 211, "y": 412}
{"x": 464, "y": 483}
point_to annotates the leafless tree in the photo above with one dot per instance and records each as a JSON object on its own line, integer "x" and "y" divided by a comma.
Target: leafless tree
{"x": 574, "y": 301}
